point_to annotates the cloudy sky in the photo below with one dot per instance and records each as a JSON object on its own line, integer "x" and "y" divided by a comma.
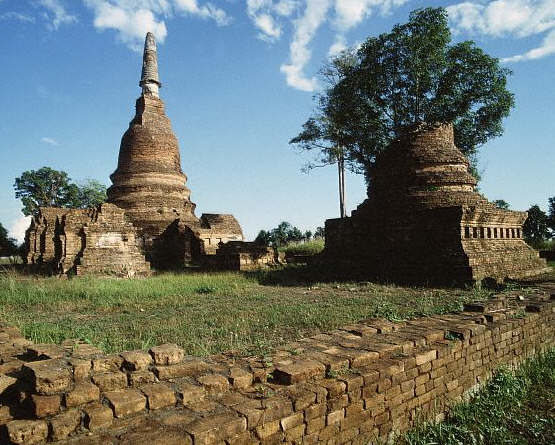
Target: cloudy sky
{"x": 238, "y": 80}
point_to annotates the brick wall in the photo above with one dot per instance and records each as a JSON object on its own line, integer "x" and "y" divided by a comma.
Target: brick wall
{"x": 354, "y": 385}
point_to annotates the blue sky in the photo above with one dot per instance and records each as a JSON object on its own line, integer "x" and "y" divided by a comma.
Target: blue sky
{"x": 238, "y": 79}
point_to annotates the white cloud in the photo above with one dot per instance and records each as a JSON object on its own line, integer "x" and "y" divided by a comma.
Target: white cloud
{"x": 11, "y": 15}
{"x": 305, "y": 28}
{"x": 514, "y": 18}
{"x": 56, "y": 13}
{"x": 18, "y": 228}
{"x": 50, "y": 141}
{"x": 131, "y": 24}
{"x": 270, "y": 29}
{"x": 267, "y": 16}
{"x": 547, "y": 48}
{"x": 206, "y": 11}
{"x": 339, "y": 45}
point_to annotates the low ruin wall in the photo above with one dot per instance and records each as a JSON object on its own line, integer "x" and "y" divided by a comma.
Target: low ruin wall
{"x": 355, "y": 385}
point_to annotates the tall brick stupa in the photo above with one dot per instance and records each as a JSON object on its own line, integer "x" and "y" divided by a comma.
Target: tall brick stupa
{"x": 150, "y": 185}
{"x": 148, "y": 182}
{"x": 425, "y": 222}
{"x": 149, "y": 218}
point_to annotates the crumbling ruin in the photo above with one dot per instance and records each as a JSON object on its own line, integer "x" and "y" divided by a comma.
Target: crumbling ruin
{"x": 424, "y": 221}
{"x": 149, "y": 217}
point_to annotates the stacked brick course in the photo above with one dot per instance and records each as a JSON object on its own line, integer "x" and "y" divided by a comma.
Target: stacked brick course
{"x": 424, "y": 222}
{"x": 354, "y": 385}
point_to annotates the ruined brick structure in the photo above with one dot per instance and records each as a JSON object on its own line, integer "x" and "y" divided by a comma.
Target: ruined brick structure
{"x": 356, "y": 385}
{"x": 101, "y": 240}
{"x": 424, "y": 221}
{"x": 150, "y": 212}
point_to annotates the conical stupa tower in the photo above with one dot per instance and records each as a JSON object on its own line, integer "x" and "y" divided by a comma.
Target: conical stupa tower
{"x": 424, "y": 221}
{"x": 148, "y": 182}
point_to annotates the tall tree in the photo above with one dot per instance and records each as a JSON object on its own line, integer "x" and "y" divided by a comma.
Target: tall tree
{"x": 551, "y": 216}
{"x": 405, "y": 78}
{"x": 47, "y": 187}
{"x": 91, "y": 193}
{"x": 535, "y": 229}
{"x": 8, "y": 246}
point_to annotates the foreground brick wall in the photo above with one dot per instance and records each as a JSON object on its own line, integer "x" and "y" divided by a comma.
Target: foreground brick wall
{"x": 351, "y": 386}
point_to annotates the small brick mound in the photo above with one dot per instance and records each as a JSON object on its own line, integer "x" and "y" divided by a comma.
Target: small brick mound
{"x": 363, "y": 382}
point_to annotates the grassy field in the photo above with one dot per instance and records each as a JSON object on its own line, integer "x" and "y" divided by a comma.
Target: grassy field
{"x": 515, "y": 408}
{"x": 206, "y": 313}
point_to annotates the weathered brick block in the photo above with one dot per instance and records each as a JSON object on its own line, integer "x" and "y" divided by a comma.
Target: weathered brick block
{"x": 108, "y": 363}
{"x": 215, "y": 428}
{"x": 425, "y": 357}
{"x": 82, "y": 393}
{"x": 98, "y": 416}
{"x": 335, "y": 417}
{"x": 267, "y": 430}
{"x": 126, "y": 402}
{"x": 51, "y": 376}
{"x": 81, "y": 368}
{"x": 191, "y": 393}
{"x": 136, "y": 360}
{"x": 27, "y": 432}
{"x": 110, "y": 381}
{"x": 64, "y": 424}
{"x": 240, "y": 378}
{"x": 214, "y": 383}
{"x": 288, "y": 423}
{"x": 139, "y": 378}
{"x": 44, "y": 406}
{"x": 158, "y": 395}
{"x": 294, "y": 371}
{"x": 167, "y": 354}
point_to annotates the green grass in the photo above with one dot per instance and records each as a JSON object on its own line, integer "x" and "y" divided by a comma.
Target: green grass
{"x": 207, "y": 313}
{"x": 312, "y": 247}
{"x": 515, "y": 408}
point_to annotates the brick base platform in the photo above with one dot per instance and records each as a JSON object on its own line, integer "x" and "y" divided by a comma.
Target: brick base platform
{"x": 354, "y": 385}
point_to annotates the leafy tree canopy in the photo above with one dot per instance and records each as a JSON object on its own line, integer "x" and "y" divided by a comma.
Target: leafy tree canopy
{"x": 551, "y": 216}
{"x": 281, "y": 235}
{"x": 47, "y": 187}
{"x": 407, "y": 77}
{"x": 535, "y": 228}
{"x": 8, "y": 246}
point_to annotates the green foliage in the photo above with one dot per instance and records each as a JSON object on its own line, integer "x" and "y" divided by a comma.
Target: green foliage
{"x": 502, "y": 204}
{"x": 283, "y": 234}
{"x": 402, "y": 79}
{"x": 536, "y": 227}
{"x": 320, "y": 232}
{"x": 91, "y": 193}
{"x": 513, "y": 408}
{"x": 551, "y": 215}
{"x": 47, "y": 187}
{"x": 8, "y": 246}
{"x": 311, "y": 247}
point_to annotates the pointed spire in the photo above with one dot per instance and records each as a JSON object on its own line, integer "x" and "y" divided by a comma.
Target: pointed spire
{"x": 150, "y": 82}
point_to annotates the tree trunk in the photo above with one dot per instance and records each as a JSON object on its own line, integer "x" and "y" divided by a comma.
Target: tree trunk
{"x": 341, "y": 172}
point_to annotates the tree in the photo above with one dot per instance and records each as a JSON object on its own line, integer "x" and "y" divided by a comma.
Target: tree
{"x": 405, "y": 79}
{"x": 320, "y": 232}
{"x": 263, "y": 238}
{"x": 535, "y": 229}
{"x": 47, "y": 187}
{"x": 307, "y": 235}
{"x": 283, "y": 234}
{"x": 551, "y": 216}
{"x": 502, "y": 204}
{"x": 91, "y": 193}
{"x": 8, "y": 246}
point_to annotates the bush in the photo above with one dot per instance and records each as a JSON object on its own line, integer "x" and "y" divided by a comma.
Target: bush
{"x": 313, "y": 247}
